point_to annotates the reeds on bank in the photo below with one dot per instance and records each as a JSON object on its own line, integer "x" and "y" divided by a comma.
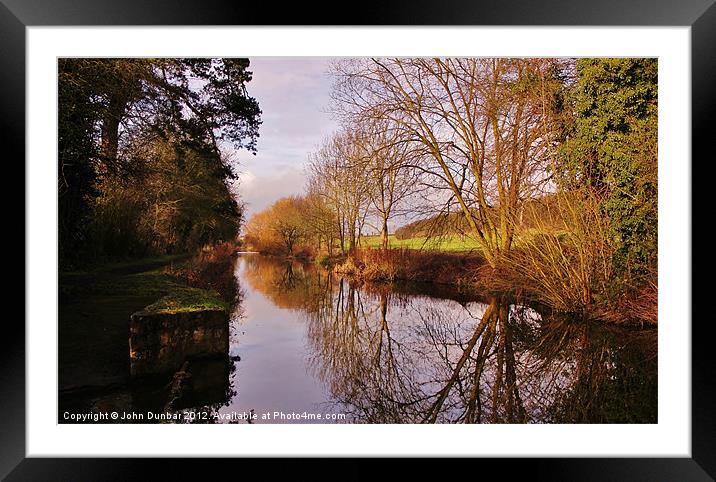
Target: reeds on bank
{"x": 569, "y": 269}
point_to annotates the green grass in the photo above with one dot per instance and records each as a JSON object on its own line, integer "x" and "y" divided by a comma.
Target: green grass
{"x": 451, "y": 243}
{"x": 174, "y": 297}
{"x": 443, "y": 243}
{"x": 127, "y": 266}
{"x": 141, "y": 279}
{"x": 185, "y": 300}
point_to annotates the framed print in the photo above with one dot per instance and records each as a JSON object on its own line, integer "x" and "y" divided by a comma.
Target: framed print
{"x": 436, "y": 231}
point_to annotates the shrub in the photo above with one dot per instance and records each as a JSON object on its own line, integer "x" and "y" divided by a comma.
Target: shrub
{"x": 212, "y": 268}
{"x": 303, "y": 253}
{"x": 570, "y": 271}
{"x": 411, "y": 265}
{"x": 350, "y": 267}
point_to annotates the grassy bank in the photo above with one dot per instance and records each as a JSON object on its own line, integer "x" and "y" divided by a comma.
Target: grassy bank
{"x": 450, "y": 243}
{"x": 470, "y": 270}
{"x": 95, "y": 306}
{"x": 440, "y": 267}
{"x": 150, "y": 278}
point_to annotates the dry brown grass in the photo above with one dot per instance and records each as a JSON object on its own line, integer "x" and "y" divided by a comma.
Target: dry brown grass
{"x": 411, "y": 265}
{"x": 570, "y": 271}
{"x": 211, "y": 268}
{"x": 639, "y": 306}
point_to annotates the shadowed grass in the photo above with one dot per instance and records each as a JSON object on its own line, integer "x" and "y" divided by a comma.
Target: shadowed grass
{"x": 172, "y": 295}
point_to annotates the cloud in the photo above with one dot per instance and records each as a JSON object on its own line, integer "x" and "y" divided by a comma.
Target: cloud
{"x": 294, "y": 94}
{"x": 260, "y": 192}
{"x": 246, "y": 178}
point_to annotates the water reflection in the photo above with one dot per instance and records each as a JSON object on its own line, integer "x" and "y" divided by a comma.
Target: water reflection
{"x": 287, "y": 284}
{"x": 398, "y": 355}
{"x": 160, "y": 343}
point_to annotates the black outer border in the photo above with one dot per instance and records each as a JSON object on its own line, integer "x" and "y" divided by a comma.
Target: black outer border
{"x": 15, "y": 15}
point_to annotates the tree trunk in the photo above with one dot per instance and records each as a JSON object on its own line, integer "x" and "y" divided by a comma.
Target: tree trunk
{"x": 352, "y": 235}
{"x": 384, "y": 233}
{"x": 342, "y": 236}
{"x": 352, "y": 241}
{"x": 110, "y": 126}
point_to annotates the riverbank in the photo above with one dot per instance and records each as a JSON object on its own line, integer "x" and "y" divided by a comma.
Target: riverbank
{"x": 471, "y": 271}
{"x": 95, "y": 307}
{"x": 412, "y": 265}
{"x": 389, "y": 352}
{"x": 468, "y": 270}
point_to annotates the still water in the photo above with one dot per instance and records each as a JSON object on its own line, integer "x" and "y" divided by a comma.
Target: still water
{"x": 309, "y": 347}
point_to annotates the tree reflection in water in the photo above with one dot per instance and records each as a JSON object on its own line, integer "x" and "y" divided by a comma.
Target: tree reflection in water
{"x": 388, "y": 355}
{"x": 413, "y": 359}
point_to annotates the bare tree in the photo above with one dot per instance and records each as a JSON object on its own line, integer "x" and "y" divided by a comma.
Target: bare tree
{"x": 390, "y": 179}
{"x": 484, "y": 125}
{"x": 280, "y": 228}
{"x": 337, "y": 171}
{"x": 321, "y": 219}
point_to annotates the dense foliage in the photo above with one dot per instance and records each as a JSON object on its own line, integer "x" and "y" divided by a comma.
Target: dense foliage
{"x": 283, "y": 228}
{"x": 140, "y": 165}
{"x": 612, "y": 147}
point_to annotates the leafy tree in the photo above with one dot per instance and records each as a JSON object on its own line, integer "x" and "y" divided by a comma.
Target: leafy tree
{"x": 115, "y": 113}
{"x": 78, "y": 115}
{"x": 281, "y": 228}
{"x": 613, "y": 148}
{"x": 181, "y": 202}
{"x": 288, "y": 222}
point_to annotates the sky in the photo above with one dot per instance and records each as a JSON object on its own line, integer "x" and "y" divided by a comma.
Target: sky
{"x": 294, "y": 95}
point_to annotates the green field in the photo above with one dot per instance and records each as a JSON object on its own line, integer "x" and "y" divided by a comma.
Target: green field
{"x": 453, "y": 242}
{"x": 443, "y": 243}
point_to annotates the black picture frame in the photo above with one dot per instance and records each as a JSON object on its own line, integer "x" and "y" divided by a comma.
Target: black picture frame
{"x": 16, "y": 15}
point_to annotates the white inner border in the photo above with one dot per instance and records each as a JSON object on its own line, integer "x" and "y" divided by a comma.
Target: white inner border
{"x": 670, "y": 437}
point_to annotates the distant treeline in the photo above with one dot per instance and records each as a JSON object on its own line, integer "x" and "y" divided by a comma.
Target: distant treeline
{"x": 534, "y": 214}
{"x": 141, "y": 170}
